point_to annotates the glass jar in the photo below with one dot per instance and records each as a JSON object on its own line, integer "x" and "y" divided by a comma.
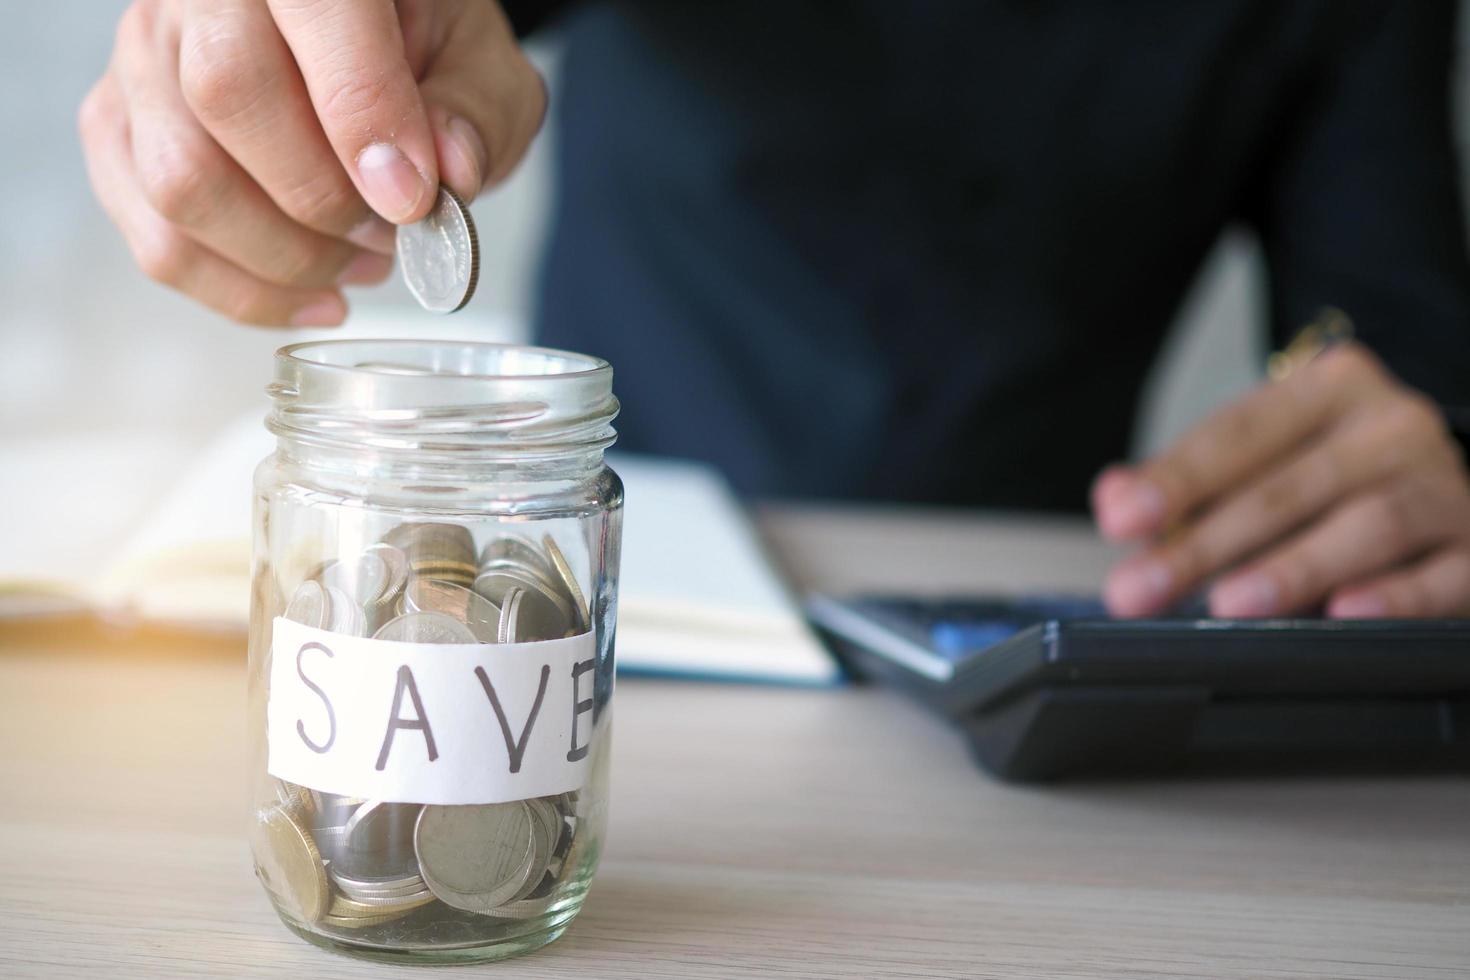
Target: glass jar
{"x": 431, "y": 653}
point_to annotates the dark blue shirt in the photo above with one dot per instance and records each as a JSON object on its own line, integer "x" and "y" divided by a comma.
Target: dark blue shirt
{"x": 927, "y": 250}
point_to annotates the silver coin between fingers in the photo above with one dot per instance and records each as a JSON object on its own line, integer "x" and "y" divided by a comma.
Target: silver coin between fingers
{"x": 440, "y": 255}
{"x": 477, "y": 858}
{"x": 425, "y": 627}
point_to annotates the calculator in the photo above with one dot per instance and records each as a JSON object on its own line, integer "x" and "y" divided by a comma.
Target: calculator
{"x": 1050, "y": 687}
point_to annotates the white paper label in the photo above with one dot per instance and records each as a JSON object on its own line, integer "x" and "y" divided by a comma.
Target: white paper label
{"x": 429, "y": 722}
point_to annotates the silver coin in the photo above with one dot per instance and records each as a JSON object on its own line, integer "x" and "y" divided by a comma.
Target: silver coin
{"x": 516, "y": 550}
{"x": 343, "y": 614}
{"x": 440, "y": 255}
{"x": 548, "y": 831}
{"x": 478, "y": 613}
{"x": 433, "y": 540}
{"x": 395, "y": 562}
{"x": 538, "y": 570}
{"x": 363, "y": 578}
{"x": 568, "y": 581}
{"x": 477, "y": 857}
{"x": 510, "y": 616}
{"x": 383, "y": 890}
{"x": 426, "y": 627}
{"x": 332, "y": 810}
{"x": 379, "y": 826}
{"x": 382, "y": 904}
{"x": 526, "y": 908}
{"x": 309, "y": 605}
{"x": 543, "y": 613}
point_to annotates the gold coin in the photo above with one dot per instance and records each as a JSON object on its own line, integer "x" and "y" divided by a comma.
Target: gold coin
{"x": 292, "y": 865}
{"x": 343, "y": 907}
{"x": 359, "y": 922}
{"x": 568, "y": 582}
{"x": 435, "y": 568}
{"x": 300, "y": 800}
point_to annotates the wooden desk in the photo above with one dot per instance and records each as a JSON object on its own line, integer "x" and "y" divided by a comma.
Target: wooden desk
{"x": 755, "y": 831}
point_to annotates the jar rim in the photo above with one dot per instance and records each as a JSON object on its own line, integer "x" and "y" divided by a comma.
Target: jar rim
{"x": 427, "y": 397}
{"x": 591, "y": 364}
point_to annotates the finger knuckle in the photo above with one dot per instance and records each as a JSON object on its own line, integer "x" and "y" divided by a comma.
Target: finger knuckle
{"x": 356, "y": 97}
{"x": 135, "y": 25}
{"x": 1389, "y": 515}
{"x": 220, "y": 76}
{"x": 298, "y": 266}
{"x": 250, "y": 307}
{"x": 1182, "y": 477}
{"x": 1284, "y": 495}
{"x": 90, "y": 114}
{"x": 163, "y": 257}
{"x": 327, "y": 203}
{"x": 180, "y": 180}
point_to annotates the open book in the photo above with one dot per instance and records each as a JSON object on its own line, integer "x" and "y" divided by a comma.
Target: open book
{"x": 698, "y": 596}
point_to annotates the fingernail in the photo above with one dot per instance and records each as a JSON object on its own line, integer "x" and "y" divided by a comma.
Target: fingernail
{"x": 1138, "y": 587}
{"x": 325, "y": 312}
{"x": 368, "y": 267}
{"x": 1244, "y": 596}
{"x": 471, "y": 146}
{"x": 376, "y": 234}
{"x": 393, "y": 185}
{"x": 1129, "y": 506}
{"x": 1360, "y": 605}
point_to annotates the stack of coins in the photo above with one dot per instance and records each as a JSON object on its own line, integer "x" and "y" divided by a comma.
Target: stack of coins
{"x": 351, "y": 863}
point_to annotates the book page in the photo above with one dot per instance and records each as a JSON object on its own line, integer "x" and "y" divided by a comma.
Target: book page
{"x": 698, "y": 596}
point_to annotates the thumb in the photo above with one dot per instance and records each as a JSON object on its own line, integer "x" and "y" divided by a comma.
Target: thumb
{"x": 485, "y": 101}
{"x": 351, "y": 57}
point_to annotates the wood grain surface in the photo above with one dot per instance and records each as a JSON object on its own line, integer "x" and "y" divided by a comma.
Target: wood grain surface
{"x": 755, "y": 831}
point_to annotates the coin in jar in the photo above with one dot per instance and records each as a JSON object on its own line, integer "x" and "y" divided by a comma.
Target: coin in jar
{"x": 542, "y": 614}
{"x": 477, "y": 857}
{"x": 363, "y": 578}
{"x": 343, "y": 614}
{"x": 433, "y": 541}
{"x": 440, "y": 255}
{"x": 515, "y": 551}
{"x": 308, "y": 605}
{"x": 568, "y": 581}
{"x": 425, "y": 627}
{"x": 291, "y": 864}
{"x": 474, "y": 610}
{"x": 395, "y": 562}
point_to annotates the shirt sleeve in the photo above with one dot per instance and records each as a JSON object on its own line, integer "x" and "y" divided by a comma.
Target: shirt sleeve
{"x": 1361, "y": 207}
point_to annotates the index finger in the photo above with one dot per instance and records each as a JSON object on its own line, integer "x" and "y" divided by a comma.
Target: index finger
{"x": 352, "y": 59}
{"x": 1232, "y": 445}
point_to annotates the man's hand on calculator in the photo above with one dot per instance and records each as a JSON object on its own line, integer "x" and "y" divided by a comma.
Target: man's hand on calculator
{"x": 1335, "y": 488}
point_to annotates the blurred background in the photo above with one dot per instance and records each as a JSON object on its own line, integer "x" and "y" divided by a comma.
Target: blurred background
{"x": 88, "y": 346}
